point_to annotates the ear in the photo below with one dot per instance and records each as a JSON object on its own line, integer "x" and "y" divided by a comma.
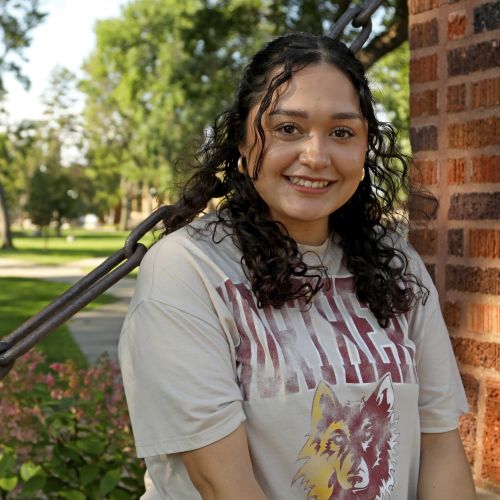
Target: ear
{"x": 323, "y": 403}
{"x": 383, "y": 394}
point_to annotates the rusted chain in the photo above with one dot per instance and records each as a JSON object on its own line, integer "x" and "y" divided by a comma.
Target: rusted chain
{"x": 114, "y": 268}
{"x": 359, "y": 17}
{"x": 123, "y": 261}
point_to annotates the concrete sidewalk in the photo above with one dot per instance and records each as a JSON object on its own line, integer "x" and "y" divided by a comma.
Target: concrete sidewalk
{"x": 96, "y": 331}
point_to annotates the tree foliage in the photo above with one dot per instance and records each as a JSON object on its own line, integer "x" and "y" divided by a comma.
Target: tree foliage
{"x": 18, "y": 18}
{"x": 58, "y": 188}
{"x": 163, "y": 70}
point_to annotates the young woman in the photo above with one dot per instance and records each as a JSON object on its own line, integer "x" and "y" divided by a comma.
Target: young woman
{"x": 290, "y": 345}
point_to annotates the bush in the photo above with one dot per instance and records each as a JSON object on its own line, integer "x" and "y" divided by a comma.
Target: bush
{"x": 65, "y": 433}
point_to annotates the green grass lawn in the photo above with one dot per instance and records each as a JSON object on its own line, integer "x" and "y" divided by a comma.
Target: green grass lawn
{"x": 81, "y": 244}
{"x": 21, "y": 298}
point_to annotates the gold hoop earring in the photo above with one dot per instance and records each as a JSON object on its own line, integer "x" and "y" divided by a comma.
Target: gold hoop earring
{"x": 362, "y": 175}
{"x": 241, "y": 165}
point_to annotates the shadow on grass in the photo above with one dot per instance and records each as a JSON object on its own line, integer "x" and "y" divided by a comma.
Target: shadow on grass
{"x": 21, "y": 298}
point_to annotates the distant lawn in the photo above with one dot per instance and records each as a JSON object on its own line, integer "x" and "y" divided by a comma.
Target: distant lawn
{"x": 74, "y": 245}
{"x": 21, "y": 298}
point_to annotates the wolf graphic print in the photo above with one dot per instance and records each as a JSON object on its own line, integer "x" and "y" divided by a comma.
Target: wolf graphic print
{"x": 350, "y": 451}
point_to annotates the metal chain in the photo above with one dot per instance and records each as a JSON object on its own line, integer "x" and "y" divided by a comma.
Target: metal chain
{"x": 359, "y": 17}
{"x": 113, "y": 269}
{"x": 123, "y": 261}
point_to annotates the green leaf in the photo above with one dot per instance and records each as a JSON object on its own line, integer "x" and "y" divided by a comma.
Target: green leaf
{"x": 88, "y": 473}
{"x": 34, "y": 485}
{"x": 119, "y": 495}
{"x": 7, "y": 462}
{"x": 109, "y": 481}
{"x": 28, "y": 470}
{"x": 91, "y": 446}
{"x": 8, "y": 483}
{"x": 72, "y": 495}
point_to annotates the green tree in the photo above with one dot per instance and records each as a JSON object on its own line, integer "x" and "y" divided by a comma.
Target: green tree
{"x": 58, "y": 189}
{"x": 392, "y": 90}
{"x": 163, "y": 69}
{"x": 18, "y": 18}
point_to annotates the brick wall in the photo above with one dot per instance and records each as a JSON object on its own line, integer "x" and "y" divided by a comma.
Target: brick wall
{"x": 455, "y": 135}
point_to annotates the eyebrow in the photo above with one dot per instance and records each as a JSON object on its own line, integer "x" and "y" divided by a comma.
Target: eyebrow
{"x": 342, "y": 115}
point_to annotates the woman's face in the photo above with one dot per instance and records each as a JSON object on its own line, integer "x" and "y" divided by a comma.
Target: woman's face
{"x": 315, "y": 145}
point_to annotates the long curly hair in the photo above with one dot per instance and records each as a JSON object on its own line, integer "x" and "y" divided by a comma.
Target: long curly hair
{"x": 270, "y": 258}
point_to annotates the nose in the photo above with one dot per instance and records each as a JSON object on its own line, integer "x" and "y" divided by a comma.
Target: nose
{"x": 315, "y": 154}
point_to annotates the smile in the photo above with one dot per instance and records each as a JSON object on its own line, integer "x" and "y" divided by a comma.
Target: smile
{"x": 298, "y": 181}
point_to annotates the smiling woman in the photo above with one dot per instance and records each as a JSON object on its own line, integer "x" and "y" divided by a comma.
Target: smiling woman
{"x": 315, "y": 145}
{"x": 290, "y": 344}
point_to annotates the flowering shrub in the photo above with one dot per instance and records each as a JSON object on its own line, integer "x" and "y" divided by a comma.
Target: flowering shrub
{"x": 65, "y": 433}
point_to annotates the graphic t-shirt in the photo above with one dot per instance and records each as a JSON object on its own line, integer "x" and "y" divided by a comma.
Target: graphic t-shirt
{"x": 333, "y": 403}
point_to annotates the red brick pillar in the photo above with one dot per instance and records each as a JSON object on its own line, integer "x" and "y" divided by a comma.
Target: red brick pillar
{"x": 455, "y": 135}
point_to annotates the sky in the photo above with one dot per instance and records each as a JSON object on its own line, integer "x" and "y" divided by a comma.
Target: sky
{"x": 65, "y": 38}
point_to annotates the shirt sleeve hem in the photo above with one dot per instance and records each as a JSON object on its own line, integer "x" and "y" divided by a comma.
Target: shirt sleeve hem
{"x": 435, "y": 427}
{"x": 190, "y": 442}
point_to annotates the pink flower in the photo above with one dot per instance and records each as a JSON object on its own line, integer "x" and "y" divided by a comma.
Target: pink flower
{"x": 56, "y": 367}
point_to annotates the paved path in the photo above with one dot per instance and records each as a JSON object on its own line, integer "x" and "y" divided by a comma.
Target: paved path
{"x": 96, "y": 331}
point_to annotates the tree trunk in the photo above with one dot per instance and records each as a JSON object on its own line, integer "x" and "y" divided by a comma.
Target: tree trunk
{"x": 126, "y": 204}
{"x": 5, "y": 232}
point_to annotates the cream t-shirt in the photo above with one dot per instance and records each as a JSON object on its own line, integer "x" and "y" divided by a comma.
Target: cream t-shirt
{"x": 334, "y": 404}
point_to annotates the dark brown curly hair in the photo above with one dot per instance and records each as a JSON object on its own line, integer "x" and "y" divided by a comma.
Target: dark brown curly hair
{"x": 271, "y": 259}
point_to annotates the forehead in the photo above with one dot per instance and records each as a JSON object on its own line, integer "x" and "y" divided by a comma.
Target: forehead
{"x": 319, "y": 83}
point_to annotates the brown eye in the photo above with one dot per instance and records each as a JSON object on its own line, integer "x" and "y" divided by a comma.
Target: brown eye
{"x": 288, "y": 129}
{"x": 342, "y": 133}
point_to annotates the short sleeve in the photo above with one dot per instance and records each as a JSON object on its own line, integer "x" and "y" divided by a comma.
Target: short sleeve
{"x": 176, "y": 362}
{"x": 441, "y": 394}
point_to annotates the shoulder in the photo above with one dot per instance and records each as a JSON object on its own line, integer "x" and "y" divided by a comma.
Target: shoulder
{"x": 191, "y": 258}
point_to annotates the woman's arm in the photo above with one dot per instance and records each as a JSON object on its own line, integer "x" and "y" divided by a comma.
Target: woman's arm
{"x": 444, "y": 470}
{"x": 223, "y": 470}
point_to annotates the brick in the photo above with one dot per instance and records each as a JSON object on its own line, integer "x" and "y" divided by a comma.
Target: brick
{"x": 457, "y": 24}
{"x": 431, "y": 269}
{"x": 455, "y": 98}
{"x": 483, "y": 318}
{"x": 424, "y": 241}
{"x": 478, "y": 57}
{"x": 456, "y": 170}
{"x": 474, "y": 206}
{"x": 425, "y": 172}
{"x": 422, "y": 208}
{"x": 473, "y": 279}
{"x": 468, "y": 422}
{"x": 474, "y": 134}
{"x": 424, "y": 34}
{"x": 491, "y": 437}
{"x": 417, "y": 6}
{"x": 486, "y": 93}
{"x": 487, "y": 17}
{"x": 424, "y": 138}
{"x": 471, "y": 386}
{"x": 424, "y": 69}
{"x": 485, "y": 169}
{"x": 475, "y": 353}
{"x": 452, "y": 314}
{"x": 467, "y": 428}
{"x": 484, "y": 243}
{"x": 424, "y": 103}
{"x": 456, "y": 242}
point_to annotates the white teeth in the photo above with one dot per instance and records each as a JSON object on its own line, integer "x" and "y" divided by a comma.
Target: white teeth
{"x": 306, "y": 183}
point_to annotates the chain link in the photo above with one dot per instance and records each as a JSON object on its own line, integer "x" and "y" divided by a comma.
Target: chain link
{"x": 123, "y": 261}
{"x": 359, "y": 17}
